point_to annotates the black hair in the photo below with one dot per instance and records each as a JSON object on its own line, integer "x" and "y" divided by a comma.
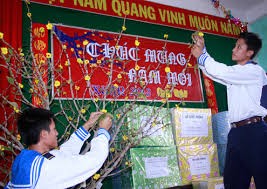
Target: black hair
{"x": 31, "y": 122}
{"x": 252, "y": 41}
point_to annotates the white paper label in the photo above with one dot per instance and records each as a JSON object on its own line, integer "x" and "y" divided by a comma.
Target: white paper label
{"x": 194, "y": 124}
{"x": 150, "y": 129}
{"x": 219, "y": 186}
{"x": 156, "y": 167}
{"x": 199, "y": 164}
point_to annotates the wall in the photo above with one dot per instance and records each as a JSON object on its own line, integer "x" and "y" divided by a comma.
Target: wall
{"x": 260, "y": 27}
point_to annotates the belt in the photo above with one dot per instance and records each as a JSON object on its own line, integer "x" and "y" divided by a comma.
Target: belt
{"x": 247, "y": 121}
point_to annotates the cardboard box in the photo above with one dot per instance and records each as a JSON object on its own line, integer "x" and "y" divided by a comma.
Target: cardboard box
{"x": 152, "y": 124}
{"x": 192, "y": 126}
{"x": 208, "y": 183}
{"x": 153, "y": 167}
{"x": 198, "y": 162}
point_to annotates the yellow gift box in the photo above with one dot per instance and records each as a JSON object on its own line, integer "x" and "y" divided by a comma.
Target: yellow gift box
{"x": 198, "y": 162}
{"x": 209, "y": 183}
{"x": 192, "y": 126}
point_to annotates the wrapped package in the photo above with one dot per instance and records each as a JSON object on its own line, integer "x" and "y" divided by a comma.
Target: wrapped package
{"x": 192, "y": 126}
{"x": 208, "y": 183}
{"x": 221, "y": 127}
{"x": 153, "y": 168}
{"x": 151, "y": 124}
{"x": 198, "y": 162}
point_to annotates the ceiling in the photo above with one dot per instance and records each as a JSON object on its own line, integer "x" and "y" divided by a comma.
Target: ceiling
{"x": 248, "y": 10}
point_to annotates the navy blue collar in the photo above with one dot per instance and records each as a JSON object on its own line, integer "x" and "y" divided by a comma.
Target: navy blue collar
{"x": 251, "y": 62}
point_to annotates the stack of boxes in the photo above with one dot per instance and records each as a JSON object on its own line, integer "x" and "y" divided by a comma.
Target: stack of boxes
{"x": 197, "y": 153}
{"x": 154, "y": 160}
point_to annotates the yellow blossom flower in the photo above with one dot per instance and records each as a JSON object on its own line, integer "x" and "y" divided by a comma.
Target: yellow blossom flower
{"x": 29, "y": 14}
{"x": 64, "y": 47}
{"x": 125, "y": 138}
{"x": 77, "y": 88}
{"x": 136, "y": 42}
{"x": 21, "y": 85}
{"x": 67, "y": 63}
{"x": 119, "y": 76}
{"x": 98, "y": 61}
{"x": 87, "y": 78}
{"x": 57, "y": 83}
{"x": 21, "y": 54}
{"x": 137, "y": 67}
{"x": 60, "y": 66}
{"x": 1, "y": 35}
{"x": 86, "y": 62}
{"x": 117, "y": 47}
{"x": 104, "y": 111}
{"x": 166, "y": 36}
{"x": 48, "y": 55}
{"x": 2, "y": 148}
{"x": 31, "y": 90}
{"x": 79, "y": 60}
{"x": 189, "y": 65}
{"x": 70, "y": 118}
{"x": 96, "y": 176}
{"x": 118, "y": 116}
{"x": 16, "y": 109}
{"x": 18, "y": 137}
{"x": 201, "y": 34}
{"x": 167, "y": 69}
{"x": 123, "y": 28}
{"x": 4, "y": 50}
{"x": 85, "y": 42}
{"x": 112, "y": 150}
{"x": 96, "y": 99}
{"x": 78, "y": 45}
{"x": 36, "y": 81}
{"x": 83, "y": 110}
{"x": 154, "y": 124}
{"x": 116, "y": 85}
{"x": 49, "y": 26}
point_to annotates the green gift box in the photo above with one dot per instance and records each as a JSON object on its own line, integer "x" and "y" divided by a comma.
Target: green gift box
{"x": 152, "y": 167}
{"x": 150, "y": 124}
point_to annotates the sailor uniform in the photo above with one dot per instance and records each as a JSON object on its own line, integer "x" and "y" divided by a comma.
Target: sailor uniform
{"x": 60, "y": 168}
{"x": 246, "y": 153}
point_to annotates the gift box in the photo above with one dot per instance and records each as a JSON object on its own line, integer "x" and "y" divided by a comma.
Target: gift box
{"x": 198, "y": 162}
{"x": 208, "y": 183}
{"x": 192, "y": 126}
{"x": 152, "y": 124}
{"x": 221, "y": 127}
{"x": 153, "y": 167}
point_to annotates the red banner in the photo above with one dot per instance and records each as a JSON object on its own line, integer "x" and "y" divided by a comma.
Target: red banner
{"x": 152, "y": 13}
{"x": 103, "y": 65}
{"x": 40, "y": 65}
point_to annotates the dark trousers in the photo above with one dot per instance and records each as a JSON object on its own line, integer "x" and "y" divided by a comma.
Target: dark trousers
{"x": 246, "y": 156}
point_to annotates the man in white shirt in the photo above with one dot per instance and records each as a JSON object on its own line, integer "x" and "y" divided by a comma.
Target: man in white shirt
{"x": 41, "y": 166}
{"x": 246, "y": 153}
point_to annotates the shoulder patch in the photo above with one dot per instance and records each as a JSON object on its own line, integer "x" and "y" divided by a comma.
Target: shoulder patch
{"x": 47, "y": 155}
